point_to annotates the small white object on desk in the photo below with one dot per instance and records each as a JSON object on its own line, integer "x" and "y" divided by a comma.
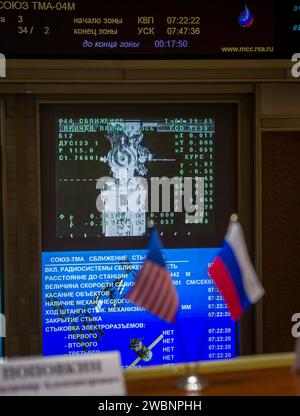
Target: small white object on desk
{"x": 80, "y": 375}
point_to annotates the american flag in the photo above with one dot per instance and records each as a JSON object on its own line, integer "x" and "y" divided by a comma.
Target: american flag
{"x": 154, "y": 289}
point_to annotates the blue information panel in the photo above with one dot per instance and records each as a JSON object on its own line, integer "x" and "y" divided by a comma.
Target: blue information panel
{"x": 85, "y": 310}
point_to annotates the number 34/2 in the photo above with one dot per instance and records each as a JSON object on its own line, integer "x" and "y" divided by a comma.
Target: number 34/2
{"x": 28, "y": 30}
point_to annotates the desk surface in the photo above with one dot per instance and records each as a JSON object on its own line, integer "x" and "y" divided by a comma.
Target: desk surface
{"x": 264, "y": 379}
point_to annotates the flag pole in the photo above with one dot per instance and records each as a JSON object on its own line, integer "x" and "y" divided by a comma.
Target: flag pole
{"x": 234, "y": 218}
{"x": 191, "y": 382}
{"x": 150, "y": 223}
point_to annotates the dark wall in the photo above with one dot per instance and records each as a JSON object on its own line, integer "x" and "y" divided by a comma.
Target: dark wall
{"x": 281, "y": 237}
{"x": 21, "y": 226}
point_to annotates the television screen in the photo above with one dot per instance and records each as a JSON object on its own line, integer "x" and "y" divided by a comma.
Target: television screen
{"x": 108, "y": 169}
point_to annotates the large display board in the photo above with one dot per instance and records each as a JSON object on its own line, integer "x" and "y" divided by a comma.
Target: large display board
{"x": 156, "y": 29}
{"x": 91, "y": 257}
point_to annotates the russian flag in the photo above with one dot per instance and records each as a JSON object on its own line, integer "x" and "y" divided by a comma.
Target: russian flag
{"x": 234, "y": 274}
{"x": 154, "y": 289}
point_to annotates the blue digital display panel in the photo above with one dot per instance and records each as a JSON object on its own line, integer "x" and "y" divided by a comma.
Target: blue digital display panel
{"x": 85, "y": 310}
